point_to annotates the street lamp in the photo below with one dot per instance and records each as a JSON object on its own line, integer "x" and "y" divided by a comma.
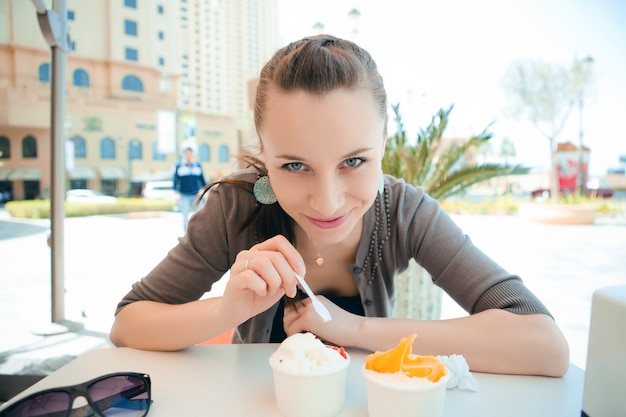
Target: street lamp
{"x": 355, "y": 15}
{"x": 318, "y": 28}
{"x": 582, "y": 74}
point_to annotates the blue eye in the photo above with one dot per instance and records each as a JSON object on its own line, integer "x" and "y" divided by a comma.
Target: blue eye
{"x": 354, "y": 162}
{"x": 294, "y": 166}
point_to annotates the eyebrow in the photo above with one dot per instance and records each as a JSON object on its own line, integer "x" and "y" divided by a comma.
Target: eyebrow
{"x": 358, "y": 151}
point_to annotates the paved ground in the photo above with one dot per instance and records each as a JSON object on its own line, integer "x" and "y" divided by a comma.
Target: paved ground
{"x": 104, "y": 255}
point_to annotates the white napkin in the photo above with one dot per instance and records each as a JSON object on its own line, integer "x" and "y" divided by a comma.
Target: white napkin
{"x": 460, "y": 375}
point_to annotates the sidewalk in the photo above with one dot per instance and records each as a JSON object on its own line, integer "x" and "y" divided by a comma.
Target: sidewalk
{"x": 104, "y": 255}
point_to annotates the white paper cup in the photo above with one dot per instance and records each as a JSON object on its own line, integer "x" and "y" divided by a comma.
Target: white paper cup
{"x": 388, "y": 398}
{"x": 319, "y": 395}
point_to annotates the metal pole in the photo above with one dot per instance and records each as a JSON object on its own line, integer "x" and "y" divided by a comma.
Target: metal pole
{"x": 580, "y": 172}
{"x": 53, "y": 24}
{"x": 57, "y": 199}
{"x": 582, "y": 72}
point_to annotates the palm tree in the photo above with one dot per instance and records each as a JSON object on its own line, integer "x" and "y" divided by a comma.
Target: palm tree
{"x": 442, "y": 171}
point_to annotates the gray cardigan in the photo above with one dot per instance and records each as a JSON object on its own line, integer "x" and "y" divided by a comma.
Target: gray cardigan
{"x": 416, "y": 228}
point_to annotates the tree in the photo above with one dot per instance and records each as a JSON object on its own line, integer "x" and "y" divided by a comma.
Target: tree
{"x": 545, "y": 93}
{"x": 507, "y": 150}
{"x": 443, "y": 171}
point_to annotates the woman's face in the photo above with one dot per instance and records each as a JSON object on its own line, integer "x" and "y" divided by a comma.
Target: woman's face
{"x": 323, "y": 156}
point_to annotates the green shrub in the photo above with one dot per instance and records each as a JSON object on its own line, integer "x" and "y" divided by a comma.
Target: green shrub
{"x": 40, "y": 209}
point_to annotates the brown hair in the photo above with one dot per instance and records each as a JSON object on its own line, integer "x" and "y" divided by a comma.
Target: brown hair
{"x": 317, "y": 65}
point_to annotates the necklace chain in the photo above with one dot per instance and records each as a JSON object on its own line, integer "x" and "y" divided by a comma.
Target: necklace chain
{"x": 319, "y": 260}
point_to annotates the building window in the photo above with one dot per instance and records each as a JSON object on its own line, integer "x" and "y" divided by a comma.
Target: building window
{"x": 80, "y": 147}
{"x": 130, "y": 27}
{"x": 135, "y": 150}
{"x": 132, "y": 83}
{"x": 72, "y": 46}
{"x": 5, "y": 148}
{"x": 161, "y": 35}
{"x": 160, "y": 9}
{"x": 156, "y": 155}
{"x": 131, "y": 54}
{"x": 204, "y": 152}
{"x": 29, "y": 147}
{"x": 44, "y": 73}
{"x": 161, "y": 61}
{"x": 80, "y": 78}
{"x": 222, "y": 154}
{"x": 78, "y": 183}
{"x": 130, "y": 3}
{"x": 109, "y": 187}
{"x": 70, "y": 15}
{"x": 107, "y": 148}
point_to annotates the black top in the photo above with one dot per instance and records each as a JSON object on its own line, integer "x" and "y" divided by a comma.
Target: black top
{"x": 351, "y": 304}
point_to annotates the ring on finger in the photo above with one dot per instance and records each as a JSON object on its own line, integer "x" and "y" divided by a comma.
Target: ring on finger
{"x": 247, "y": 260}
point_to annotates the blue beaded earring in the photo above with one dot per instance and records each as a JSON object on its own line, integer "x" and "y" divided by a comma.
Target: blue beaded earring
{"x": 263, "y": 191}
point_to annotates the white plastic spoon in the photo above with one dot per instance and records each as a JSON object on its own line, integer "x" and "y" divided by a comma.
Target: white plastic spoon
{"x": 320, "y": 308}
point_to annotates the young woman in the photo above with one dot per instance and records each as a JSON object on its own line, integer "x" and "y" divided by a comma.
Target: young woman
{"x": 315, "y": 202}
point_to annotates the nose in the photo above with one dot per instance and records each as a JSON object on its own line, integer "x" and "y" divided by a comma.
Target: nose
{"x": 327, "y": 195}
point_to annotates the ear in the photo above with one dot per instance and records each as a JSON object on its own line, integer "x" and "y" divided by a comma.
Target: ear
{"x": 383, "y": 145}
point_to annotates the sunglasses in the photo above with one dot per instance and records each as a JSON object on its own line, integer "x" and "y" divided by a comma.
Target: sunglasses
{"x": 123, "y": 394}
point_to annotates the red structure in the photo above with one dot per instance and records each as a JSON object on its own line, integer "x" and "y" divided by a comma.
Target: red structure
{"x": 568, "y": 165}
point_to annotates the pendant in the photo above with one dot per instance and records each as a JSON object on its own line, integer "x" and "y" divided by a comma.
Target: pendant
{"x": 319, "y": 261}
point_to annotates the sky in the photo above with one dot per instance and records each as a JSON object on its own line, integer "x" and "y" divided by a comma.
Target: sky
{"x": 438, "y": 53}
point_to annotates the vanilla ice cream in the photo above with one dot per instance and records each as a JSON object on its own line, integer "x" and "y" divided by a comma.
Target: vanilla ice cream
{"x": 309, "y": 377}
{"x": 305, "y": 354}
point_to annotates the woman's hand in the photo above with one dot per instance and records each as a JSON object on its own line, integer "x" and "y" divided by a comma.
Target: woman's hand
{"x": 302, "y": 317}
{"x": 260, "y": 277}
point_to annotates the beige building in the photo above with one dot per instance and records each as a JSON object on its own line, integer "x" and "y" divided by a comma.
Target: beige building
{"x": 144, "y": 78}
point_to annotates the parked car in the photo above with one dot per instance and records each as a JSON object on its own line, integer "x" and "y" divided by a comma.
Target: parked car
{"x": 82, "y": 195}
{"x": 596, "y": 187}
{"x": 160, "y": 190}
{"x": 600, "y": 188}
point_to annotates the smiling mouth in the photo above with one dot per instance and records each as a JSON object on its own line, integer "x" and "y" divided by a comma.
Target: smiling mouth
{"x": 329, "y": 223}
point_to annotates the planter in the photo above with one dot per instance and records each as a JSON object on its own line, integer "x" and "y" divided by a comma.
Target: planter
{"x": 559, "y": 213}
{"x": 416, "y": 295}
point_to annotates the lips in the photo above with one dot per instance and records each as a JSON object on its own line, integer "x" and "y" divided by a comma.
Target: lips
{"x": 329, "y": 223}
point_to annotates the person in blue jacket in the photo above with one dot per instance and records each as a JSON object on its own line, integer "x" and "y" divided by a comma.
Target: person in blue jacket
{"x": 188, "y": 180}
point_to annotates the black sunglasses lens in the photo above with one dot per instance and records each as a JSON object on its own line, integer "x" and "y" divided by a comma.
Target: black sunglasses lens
{"x": 123, "y": 396}
{"x": 55, "y": 404}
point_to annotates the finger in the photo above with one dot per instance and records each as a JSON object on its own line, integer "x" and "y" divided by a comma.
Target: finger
{"x": 271, "y": 265}
{"x": 261, "y": 270}
{"x": 291, "y": 320}
{"x": 281, "y": 245}
{"x": 250, "y": 280}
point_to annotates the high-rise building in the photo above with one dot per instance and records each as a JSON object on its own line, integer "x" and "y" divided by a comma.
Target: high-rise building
{"x": 144, "y": 78}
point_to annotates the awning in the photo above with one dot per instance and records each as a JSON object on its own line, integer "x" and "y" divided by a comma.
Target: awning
{"x": 25, "y": 174}
{"x": 4, "y": 173}
{"x": 83, "y": 173}
{"x": 112, "y": 173}
{"x": 152, "y": 176}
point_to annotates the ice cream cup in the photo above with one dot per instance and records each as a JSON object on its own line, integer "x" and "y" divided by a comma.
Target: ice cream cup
{"x": 311, "y": 395}
{"x": 388, "y": 396}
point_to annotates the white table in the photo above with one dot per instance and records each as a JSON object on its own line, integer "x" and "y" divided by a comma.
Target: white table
{"x": 236, "y": 380}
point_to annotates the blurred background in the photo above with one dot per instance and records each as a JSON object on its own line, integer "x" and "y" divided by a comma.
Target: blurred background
{"x": 146, "y": 77}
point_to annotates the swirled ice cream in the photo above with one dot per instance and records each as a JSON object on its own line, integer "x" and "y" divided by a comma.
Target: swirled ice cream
{"x": 305, "y": 354}
{"x": 400, "y": 383}
{"x": 399, "y": 364}
{"x": 309, "y": 377}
